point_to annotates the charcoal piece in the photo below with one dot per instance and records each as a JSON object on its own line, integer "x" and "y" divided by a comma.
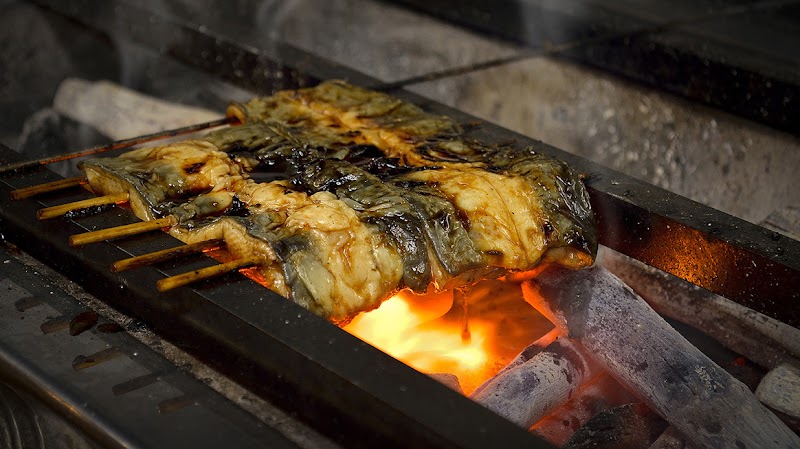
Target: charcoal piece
{"x": 598, "y": 395}
{"x": 647, "y": 356}
{"x": 527, "y": 392}
{"x": 760, "y": 338}
{"x": 780, "y": 391}
{"x": 629, "y": 426}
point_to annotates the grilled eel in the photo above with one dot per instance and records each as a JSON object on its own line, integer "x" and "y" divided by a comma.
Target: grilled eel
{"x": 346, "y": 196}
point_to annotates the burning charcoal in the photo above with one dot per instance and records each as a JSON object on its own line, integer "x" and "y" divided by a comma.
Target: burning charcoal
{"x": 528, "y": 353}
{"x": 525, "y": 393}
{"x": 654, "y": 361}
{"x": 671, "y": 439}
{"x": 762, "y": 339}
{"x": 598, "y": 395}
{"x": 780, "y": 391}
{"x": 747, "y": 371}
{"x": 448, "y": 380}
{"x": 629, "y": 426}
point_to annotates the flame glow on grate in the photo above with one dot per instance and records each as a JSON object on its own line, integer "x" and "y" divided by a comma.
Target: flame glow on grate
{"x": 424, "y": 331}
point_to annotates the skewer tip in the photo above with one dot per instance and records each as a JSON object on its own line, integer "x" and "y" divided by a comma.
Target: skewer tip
{"x": 75, "y": 242}
{"x": 61, "y": 210}
{"x": 120, "y": 231}
{"x": 189, "y": 277}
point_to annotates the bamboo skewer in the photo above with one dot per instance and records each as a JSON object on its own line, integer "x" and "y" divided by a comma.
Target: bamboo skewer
{"x": 119, "y": 144}
{"x": 164, "y": 255}
{"x": 58, "y": 211}
{"x": 61, "y": 184}
{"x": 120, "y": 231}
{"x": 204, "y": 273}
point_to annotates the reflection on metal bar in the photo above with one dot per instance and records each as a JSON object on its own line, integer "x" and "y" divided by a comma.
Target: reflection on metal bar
{"x": 82, "y": 362}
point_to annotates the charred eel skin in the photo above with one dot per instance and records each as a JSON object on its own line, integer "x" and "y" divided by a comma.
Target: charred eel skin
{"x": 419, "y": 204}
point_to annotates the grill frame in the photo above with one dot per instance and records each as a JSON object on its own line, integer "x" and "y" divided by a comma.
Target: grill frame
{"x": 340, "y": 384}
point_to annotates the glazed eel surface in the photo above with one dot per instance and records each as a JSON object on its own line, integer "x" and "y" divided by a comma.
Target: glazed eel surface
{"x": 346, "y": 196}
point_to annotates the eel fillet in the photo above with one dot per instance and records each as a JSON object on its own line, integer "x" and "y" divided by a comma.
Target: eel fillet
{"x": 346, "y": 196}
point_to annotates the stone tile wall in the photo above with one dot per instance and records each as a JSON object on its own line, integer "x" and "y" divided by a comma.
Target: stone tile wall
{"x": 723, "y": 161}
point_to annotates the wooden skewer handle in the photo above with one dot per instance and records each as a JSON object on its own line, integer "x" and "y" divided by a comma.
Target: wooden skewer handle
{"x": 203, "y": 273}
{"x": 58, "y": 211}
{"x": 164, "y": 255}
{"x": 120, "y": 231}
{"x": 27, "y": 192}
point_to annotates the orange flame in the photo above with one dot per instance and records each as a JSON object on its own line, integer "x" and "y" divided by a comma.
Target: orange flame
{"x": 424, "y": 331}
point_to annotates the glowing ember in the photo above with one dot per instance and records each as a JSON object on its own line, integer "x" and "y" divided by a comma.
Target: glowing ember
{"x": 425, "y": 331}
